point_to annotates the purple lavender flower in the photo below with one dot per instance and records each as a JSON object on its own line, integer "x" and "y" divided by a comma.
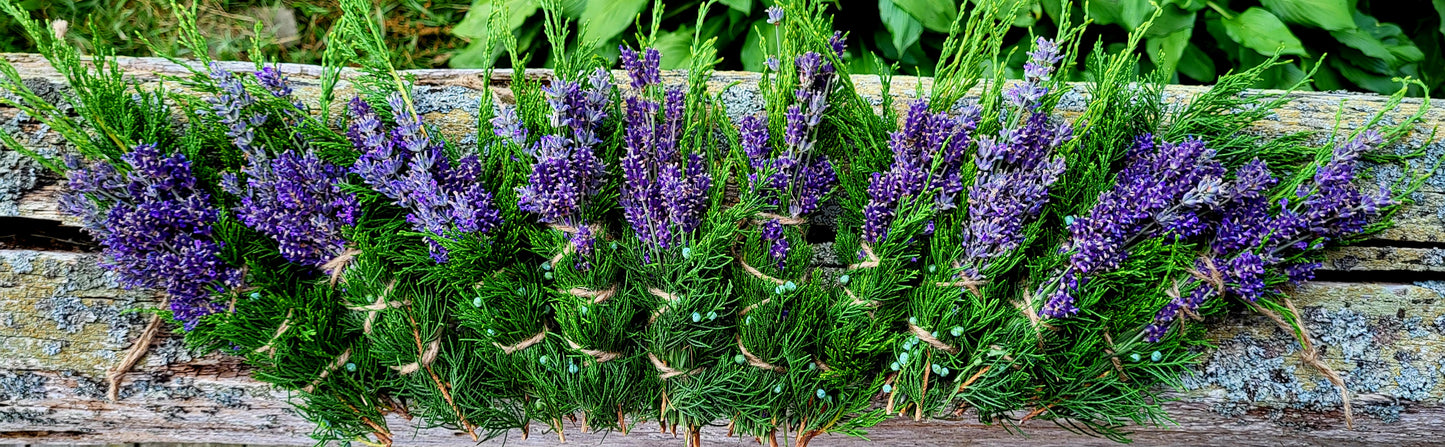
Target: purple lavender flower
{"x": 644, "y": 68}
{"x": 567, "y": 172}
{"x": 1256, "y": 242}
{"x": 1011, "y": 186}
{"x": 664, "y": 192}
{"x": 928, "y": 152}
{"x": 777, "y": 242}
{"x": 156, "y": 228}
{"x": 297, "y": 200}
{"x": 775, "y": 15}
{"x": 1037, "y": 71}
{"x": 506, "y": 125}
{"x": 1148, "y": 193}
{"x": 413, "y": 170}
{"x": 229, "y": 106}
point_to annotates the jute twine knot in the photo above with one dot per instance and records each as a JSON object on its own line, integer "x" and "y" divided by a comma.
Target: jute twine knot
{"x": 754, "y": 306}
{"x": 1184, "y": 311}
{"x": 667, "y": 372}
{"x": 755, "y": 272}
{"x": 338, "y": 264}
{"x": 1118, "y": 365}
{"x": 270, "y": 346}
{"x": 1309, "y": 354}
{"x": 1027, "y": 308}
{"x": 340, "y": 360}
{"x": 667, "y": 297}
{"x": 597, "y": 296}
{"x": 969, "y": 283}
{"x": 374, "y": 309}
{"x": 756, "y": 361}
{"x": 870, "y": 260}
{"x": 137, "y": 350}
{"x": 524, "y": 344}
{"x": 927, "y": 337}
{"x": 599, "y": 355}
{"x": 427, "y": 357}
{"x": 762, "y": 218}
{"x": 1213, "y": 277}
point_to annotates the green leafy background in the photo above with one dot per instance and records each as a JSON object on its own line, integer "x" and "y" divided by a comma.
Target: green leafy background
{"x": 1358, "y": 45}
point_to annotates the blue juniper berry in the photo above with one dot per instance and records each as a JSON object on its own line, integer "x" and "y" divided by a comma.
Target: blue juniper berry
{"x": 1255, "y": 240}
{"x": 156, "y": 228}
{"x": 1161, "y": 191}
{"x": 567, "y": 172}
{"x": 664, "y": 192}
{"x": 411, "y": 168}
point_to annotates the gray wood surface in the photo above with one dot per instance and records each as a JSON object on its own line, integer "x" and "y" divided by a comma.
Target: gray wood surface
{"x": 1378, "y": 309}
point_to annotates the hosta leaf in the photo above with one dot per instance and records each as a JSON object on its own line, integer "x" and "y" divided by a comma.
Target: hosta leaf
{"x": 1171, "y": 21}
{"x": 745, "y": 6}
{"x": 936, "y": 15}
{"x": 606, "y": 19}
{"x": 474, "y": 25}
{"x": 1440, "y": 9}
{"x": 1166, "y": 51}
{"x": 905, "y": 29}
{"x": 1197, "y": 65}
{"x": 1261, "y": 31}
{"x": 675, "y": 46}
{"x": 1332, "y": 15}
{"x": 1363, "y": 78}
{"x": 752, "y": 55}
{"x": 1128, "y": 13}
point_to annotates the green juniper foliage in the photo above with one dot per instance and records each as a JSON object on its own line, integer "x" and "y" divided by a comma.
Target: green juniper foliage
{"x": 615, "y": 248}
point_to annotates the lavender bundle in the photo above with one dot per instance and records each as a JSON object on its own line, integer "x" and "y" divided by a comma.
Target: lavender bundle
{"x": 780, "y": 298}
{"x": 680, "y": 243}
{"x": 962, "y": 327}
{"x": 156, "y": 227}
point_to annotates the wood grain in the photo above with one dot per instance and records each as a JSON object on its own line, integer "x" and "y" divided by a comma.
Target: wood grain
{"x": 1378, "y": 311}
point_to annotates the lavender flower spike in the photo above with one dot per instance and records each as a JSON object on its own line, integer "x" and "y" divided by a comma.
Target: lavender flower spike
{"x": 1253, "y": 243}
{"x": 297, "y": 200}
{"x": 229, "y": 106}
{"x": 567, "y": 173}
{"x": 1148, "y": 199}
{"x": 156, "y": 228}
{"x": 664, "y": 192}
{"x": 928, "y": 153}
{"x": 442, "y": 196}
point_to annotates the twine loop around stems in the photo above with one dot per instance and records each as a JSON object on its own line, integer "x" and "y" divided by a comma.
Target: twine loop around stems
{"x": 1114, "y": 357}
{"x": 599, "y": 355}
{"x": 571, "y": 246}
{"x": 597, "y": 296}
{"x": 870, "y": 259}
{"x": 338, "y": 264}
{"x": 667, "y": 372}
{"x": 1310, "y": 355}
{"x": 340, "y": 360}
{"x": 668, "y": 297}
{"x": 524, "y": 344}
{"x": 428, "y": 356}
{"x": 374, "y": 309}
{"x": 927, "y": 337}
{"x": 1213, "y": 277}
{"x": 762, "y": 218}
{"x": 270, "y": 347}
{"x": 758, "y": 362}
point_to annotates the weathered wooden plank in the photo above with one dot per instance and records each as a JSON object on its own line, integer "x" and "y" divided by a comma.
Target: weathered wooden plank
{"x": 61, "y": 328}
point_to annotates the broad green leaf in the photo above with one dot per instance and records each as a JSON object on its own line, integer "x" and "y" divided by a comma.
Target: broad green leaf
{"x": 752, "y": 55}
{"x": 675, "y": 46}
{"x": 903, "y": 27}
{"x": 936, "y": 15}
{"x": 1369, "y": 81}
{"x": 606, "y": 19}
{"x": 1166, "y": 51}
{"x": 1440, "y": 9}
{"x": 745, "y": 6}
{"x": 1019, "y": 13}
{"x": 1127, "y": 13}
{"x": 1188, "y": 5}
{"x": 474, "y": 25}
{"x": 1171, "y": 21}
{"x": 1383, "y": 41}
{"x": 1261, "y": 31}
{"x": 1332, "y": 15}
{"x": 1197, "y": 65}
